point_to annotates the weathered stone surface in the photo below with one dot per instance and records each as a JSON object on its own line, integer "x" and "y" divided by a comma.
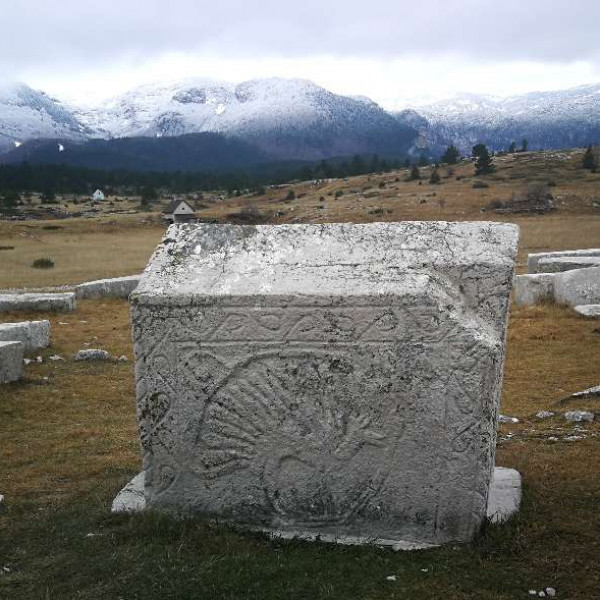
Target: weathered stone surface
{"x": 33, "y": 334}
{"x": 578, "y": 287}
{"x": 505, "y": 494}
{"x": 11, "y": 361}
{"x": 47, "y": 302}
{"x": 533, "y": 259}
{"x": 340, "y": 380}
{"x": 92, "y": 354}
{"x": 534, "y": 289}
{"x": 503, "y": 501}
{"x": 592, "y": 392}
{"x": 591, "y": 311}
{"x": 563, "y": 263}
{"x": 579, "y": 416}
{"x": 118, "y": 287}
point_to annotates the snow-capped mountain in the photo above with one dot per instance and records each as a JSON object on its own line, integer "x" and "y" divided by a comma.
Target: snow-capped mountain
{"x": 27, "y": 114}
{"x": 559, "y": 119}
{"x": 286, "y": 118}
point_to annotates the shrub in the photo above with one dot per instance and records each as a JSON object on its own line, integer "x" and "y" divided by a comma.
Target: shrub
{"x": 291, "y": 195}
{"x": 480, "y": 185}
{"x": 339, "y": 194}
{"x": 43, "y": 263}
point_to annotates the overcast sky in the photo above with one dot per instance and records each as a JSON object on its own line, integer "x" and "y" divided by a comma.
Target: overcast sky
{"x": 83, "y": 50}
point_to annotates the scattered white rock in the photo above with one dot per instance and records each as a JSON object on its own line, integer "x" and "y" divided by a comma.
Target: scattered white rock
{"x": 391, "y": 578}
{"x": 506, "y": 419}
{"x": 545, "y": 414}
{"x": 1, "y": 498}
{"x": 39, "y": 359}
{"x": 425, "y": 570}
{"x": 574, "y": 438}
{"x": 579, "y": 416}
{"x": 123, "y": 358}
{"x": 27, "y": 361}
{"x": 541, "y": 594}
{"x": 533, "y": 592}
{"x": 550, "y": 592}
{"x": 589, "y": 393}
{"x": 56, "y": 357}
{"x": 63, "y": 323}
{"x": 588, "y": 310}
{"x": 553, "y": 439}
{"x": 92, "y": 354}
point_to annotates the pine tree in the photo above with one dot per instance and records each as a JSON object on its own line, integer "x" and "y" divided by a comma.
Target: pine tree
{"x": 451, "y": 155}
{"x": 524, "y": 145}
{"x": 415, "y": 174}
{"x": 484, "y": 163}
{"x": 512, "y": 148}
{"x": 435, "y": 177}
{"x": 423, "y": 160}
{"x": 589, "y": 160}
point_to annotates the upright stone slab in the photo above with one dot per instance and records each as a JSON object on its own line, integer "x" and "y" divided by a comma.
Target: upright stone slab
{"x": 340, "y": 380}
{"x": 11, "y": 361}
{"x": 534, "y": 288}
{"x": 34, "y": 335}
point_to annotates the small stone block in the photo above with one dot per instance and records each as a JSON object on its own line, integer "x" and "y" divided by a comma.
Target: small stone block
{"x": 118, "y": 287}
{"x": 61, "y": 303}
{"x": 34, "y": 335}
{"x": 11, "y": 361}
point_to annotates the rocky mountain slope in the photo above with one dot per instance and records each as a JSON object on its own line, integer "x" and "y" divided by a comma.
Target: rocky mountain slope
{"x": 559, "y": 119}
{"x": 285, "y": 118}
{"x": 28, "y": 114}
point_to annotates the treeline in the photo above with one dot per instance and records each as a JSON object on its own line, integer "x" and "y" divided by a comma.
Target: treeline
{"x": 49, "y": 180}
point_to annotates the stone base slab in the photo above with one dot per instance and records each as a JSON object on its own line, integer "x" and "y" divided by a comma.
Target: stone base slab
{"x": 503, "y": 502}
{"x": 11, "y": 361}
{"x": 34, "y": 335}
{"x": 61, "y": 303}
{"x": 565, "y": 263}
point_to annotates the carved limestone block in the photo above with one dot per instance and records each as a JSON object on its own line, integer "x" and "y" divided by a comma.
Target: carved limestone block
{"x": 328, "y": 379}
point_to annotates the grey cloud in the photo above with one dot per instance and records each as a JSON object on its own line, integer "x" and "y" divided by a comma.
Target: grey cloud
{"x": 53, "y": 34}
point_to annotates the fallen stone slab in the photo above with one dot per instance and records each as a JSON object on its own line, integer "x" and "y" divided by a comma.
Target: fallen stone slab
{"x": 118, "y": 287}
{"x": 34, "y": 335}
{"x": 534, "y": 289}
{"x": 61, "y": 303}
{"x": 534, "y": 258}
{"x": 591, "y": 311}
{"x": 338, "y": 380}
{"x": 11, "y": 361}
{"x": 575, "y": 288}
{"x": 561, "y": 264}
{"x": 504, "y": 500}
{"x": 92, "y": 354}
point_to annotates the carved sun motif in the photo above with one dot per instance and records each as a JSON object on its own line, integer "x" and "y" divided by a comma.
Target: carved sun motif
{"x": 306, "y": 428}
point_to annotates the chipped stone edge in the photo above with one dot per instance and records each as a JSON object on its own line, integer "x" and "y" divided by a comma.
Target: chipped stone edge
{"x": 503, "y": 502}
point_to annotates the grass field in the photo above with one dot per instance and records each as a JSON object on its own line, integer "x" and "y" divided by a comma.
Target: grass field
{"x": 112, "y": 245}
{"x": 69, "y": 442}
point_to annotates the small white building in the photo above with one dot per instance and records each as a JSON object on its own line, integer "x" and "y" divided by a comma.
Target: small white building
{"x": 98, "y": 196}
{"x": 179, "y": 211}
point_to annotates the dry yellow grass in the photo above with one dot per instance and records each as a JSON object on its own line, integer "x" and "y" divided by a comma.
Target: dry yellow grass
{"x": 115, "y": 245}
{"x": 72, "y": 440}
